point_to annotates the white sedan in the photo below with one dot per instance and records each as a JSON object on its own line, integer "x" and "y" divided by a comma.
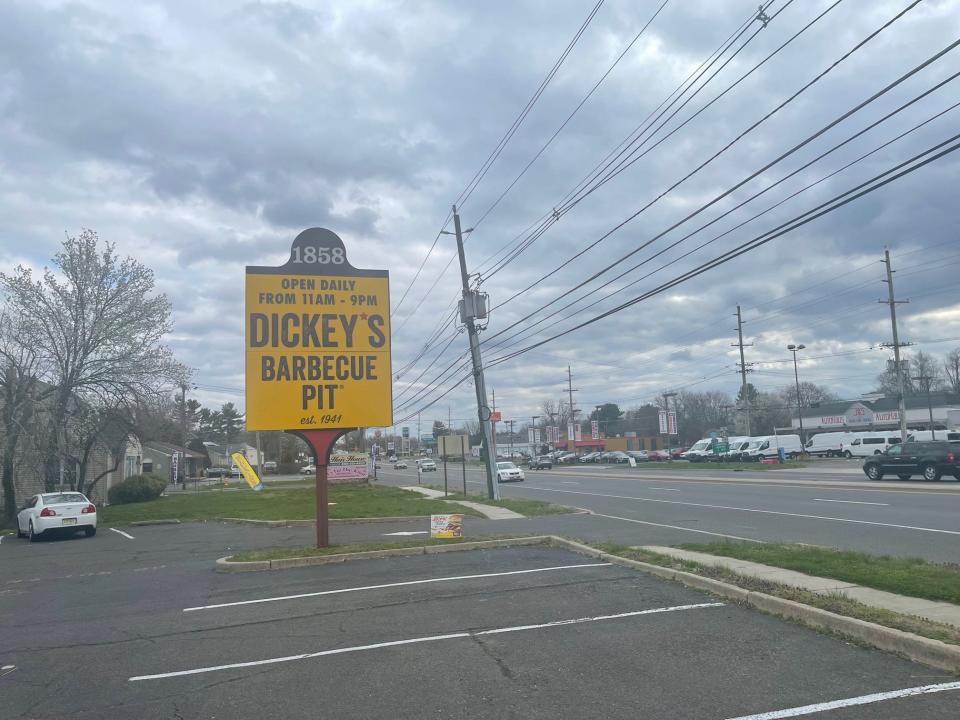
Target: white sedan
{"x": 57, "y": 512}
{"x": 507, "y": 471}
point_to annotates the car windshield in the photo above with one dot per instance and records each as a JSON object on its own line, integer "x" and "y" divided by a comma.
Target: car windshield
{"x": 700, "y": 445}
{"x": 505, "y": 466}
{"x": 62, "y": 498}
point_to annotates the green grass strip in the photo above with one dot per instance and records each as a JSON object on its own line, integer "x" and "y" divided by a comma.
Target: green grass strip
{"x": 904, "y": 576}
{"x": 350, "y": 501}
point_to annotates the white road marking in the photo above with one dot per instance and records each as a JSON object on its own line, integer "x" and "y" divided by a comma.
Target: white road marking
{"x": 678, "y": 527}
{"x": 409, "y": 532}
{"x": 667, "y": 489}
{"x": 121, "y": 532}
{"x": 397, "y": 584}
{"x": 851, "y": 702}
{"x": 753, "y": 510}
{"x": 852, "y": 502}
{"x": 568, "y": 482}
{"x": 428, "y": 638}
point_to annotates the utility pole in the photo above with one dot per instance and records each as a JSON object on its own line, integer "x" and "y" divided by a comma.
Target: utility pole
{"x": 472, "y": 306}
{"x": 418, "y": 433}
{"x": 892, "y": 302}
{"x": 534, "y": 450}
{"x": 510, "y": 423}
{"x": 743, "y": 372}
{"x": 925, "y": 381}
{"x": 666, "y": 406}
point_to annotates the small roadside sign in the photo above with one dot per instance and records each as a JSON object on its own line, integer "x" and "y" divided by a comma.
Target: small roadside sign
{"x": 446, "y": 526}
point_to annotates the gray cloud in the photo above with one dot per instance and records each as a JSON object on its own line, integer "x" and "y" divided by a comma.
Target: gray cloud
{"x": 202, "y": 137}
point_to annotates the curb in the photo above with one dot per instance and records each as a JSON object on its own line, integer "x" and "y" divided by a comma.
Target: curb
{"x": 224, "y": 564}
{"x": 926, "y": 651}
{"x": 141, "y": 523}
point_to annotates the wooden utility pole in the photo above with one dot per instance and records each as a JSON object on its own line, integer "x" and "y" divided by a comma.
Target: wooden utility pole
{"x": 892, "y": 302}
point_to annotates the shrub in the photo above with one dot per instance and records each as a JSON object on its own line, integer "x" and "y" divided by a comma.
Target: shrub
{"x": 137, "y": 488}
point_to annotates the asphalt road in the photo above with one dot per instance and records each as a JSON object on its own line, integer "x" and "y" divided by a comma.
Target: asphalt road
{"x": 829, "y": 504}
{"x": 141, "y": 627}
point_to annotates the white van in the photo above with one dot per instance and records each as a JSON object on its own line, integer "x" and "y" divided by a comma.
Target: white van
{"x": 922, "y": 435}
{"x": 700, "y": 451}
{"x": 735, "y": 446}
{"x": 866, "y": 444}
{"x": 768, "y": 447}
{"x": 829, "y": 444}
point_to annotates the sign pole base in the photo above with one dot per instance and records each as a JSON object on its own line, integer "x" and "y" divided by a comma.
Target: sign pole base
{"x": 321, "y": 442}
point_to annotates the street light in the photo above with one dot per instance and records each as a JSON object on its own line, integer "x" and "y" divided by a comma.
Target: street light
{"x": 666, "y": 402}
{"x": 796, "y": 376}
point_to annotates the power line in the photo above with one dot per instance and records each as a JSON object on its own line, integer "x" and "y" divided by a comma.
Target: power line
{"x": 495, "y": 153}
{"x": 580, "y": 191}
{"x": 736, "y": 207}
{"x": 833, "y": 204}
{"x": 569, "y": 117}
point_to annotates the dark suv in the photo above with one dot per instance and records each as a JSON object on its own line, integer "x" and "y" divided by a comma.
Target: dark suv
{"x": 540, "y": 463}
{"x": 930, "y": 459}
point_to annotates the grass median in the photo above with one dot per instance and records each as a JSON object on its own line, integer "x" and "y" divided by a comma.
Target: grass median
{"x": 347, "y": 501}
{"x": 832, "y": 602}
{"x": 903, "y": 576}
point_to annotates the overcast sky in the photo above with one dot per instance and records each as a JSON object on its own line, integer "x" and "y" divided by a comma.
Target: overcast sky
{"x": 201, "y": 137}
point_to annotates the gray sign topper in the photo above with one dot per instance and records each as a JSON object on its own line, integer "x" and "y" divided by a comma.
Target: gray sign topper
{"x": 317, "y": 251}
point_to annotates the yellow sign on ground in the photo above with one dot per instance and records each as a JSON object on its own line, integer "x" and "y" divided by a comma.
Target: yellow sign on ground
{"x": 317, "y": 341}
{"x": 249, "y": 474}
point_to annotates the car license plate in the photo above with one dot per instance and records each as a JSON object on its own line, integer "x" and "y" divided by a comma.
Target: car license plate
{"x": 69, "y": 521}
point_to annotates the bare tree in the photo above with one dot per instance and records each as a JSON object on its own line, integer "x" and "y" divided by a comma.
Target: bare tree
{"x": 810, "y": 394}
{"x": 951, "y": 368}
{"x": 20, "y": 391}
{"x": 97, "y": 323}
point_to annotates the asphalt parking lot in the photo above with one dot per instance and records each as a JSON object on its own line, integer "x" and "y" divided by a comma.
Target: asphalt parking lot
{"x": 527, "y": 632}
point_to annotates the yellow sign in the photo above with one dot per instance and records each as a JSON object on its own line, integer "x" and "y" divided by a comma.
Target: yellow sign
{"x": 317, "y": 341}
{"x": 249, "y": 474}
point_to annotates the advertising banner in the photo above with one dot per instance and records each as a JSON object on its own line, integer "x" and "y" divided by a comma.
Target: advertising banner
{"x": 570, "y": 432}
{"x": 662, "y": 417}
{"x": 594, "y": 430}
{"x": 249, "y": 474}
{"x": 348, "y": 467}
{"x": 446, "y": 526}
{"x": 576, "y": 433}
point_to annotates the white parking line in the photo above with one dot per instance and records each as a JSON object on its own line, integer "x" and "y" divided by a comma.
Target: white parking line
{"x": 121, "y": 532}
{"x": 396, "y": 584}
{"x": 851, "y": 702}
{"x": 753, "y": 510}
{"x": 428, "y": 638}
{"x": 852, "y": 502}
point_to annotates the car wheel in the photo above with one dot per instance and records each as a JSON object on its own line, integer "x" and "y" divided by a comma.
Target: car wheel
{"x": 90, "y": 531}
{"x": 847, "y": 454}
{"x": 904, "y": 477}
{"x": 20, "y": 533}
{"x": 931, "y": 473}
{"x": 31, "y": 535}
{"x": 873, "y": 472}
